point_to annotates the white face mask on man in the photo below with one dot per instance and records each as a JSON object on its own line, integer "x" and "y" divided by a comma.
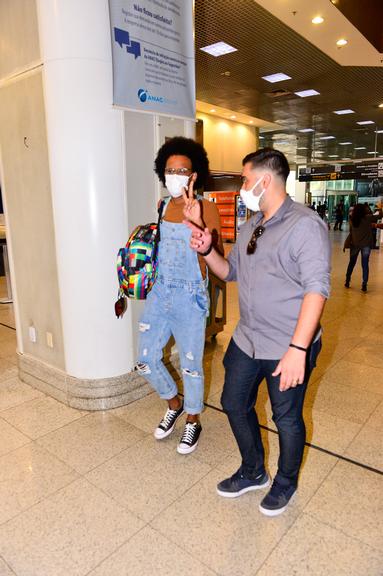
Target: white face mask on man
{"x": 175, "y": 184}
{"x": 251, "y": 201}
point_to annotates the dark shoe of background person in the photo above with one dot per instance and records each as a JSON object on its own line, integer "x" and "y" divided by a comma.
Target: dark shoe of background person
{"x": 238, "y": 484}
{"x": 277, "y": 499}
{"x": 347, "y": 283}
{"x": 189, "y": 439}
{"x": 364, "y": 287}
{"x": 166, "y": 426}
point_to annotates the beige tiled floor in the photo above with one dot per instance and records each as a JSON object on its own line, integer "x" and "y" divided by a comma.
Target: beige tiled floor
{"x": 94, "y": 494}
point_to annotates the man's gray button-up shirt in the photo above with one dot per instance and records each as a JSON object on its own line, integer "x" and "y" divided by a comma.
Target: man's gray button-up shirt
{"x": 292, "y": 258}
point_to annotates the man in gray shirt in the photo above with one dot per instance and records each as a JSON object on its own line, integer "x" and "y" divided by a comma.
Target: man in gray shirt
{"x": 281, "y": 262}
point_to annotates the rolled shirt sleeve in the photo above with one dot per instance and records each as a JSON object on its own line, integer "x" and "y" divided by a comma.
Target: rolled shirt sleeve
{"x": 311, "y": 249}
{"x": 233, "y": 264}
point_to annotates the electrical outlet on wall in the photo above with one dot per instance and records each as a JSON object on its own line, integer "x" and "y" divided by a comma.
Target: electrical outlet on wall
{"x": 50, "y": 339}
{"x": 32, "y": 333}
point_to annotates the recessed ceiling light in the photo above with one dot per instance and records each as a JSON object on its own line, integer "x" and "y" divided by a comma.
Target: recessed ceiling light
{"x": 346, "y": 158}
{"x": 365, "y": 122}
{"x": 333, "y": 156}
{"x": 233, "y": 117}
{"x": 302, "y": 148}
{"x": 371, "y": 152}
{"x": 212, "y": 110}
{"x": 306, "y": 93}
{"x": 317, "y": 20}
{"x": 319, "y": 152}
{"x": 219, "y": 49}
{"x": 251, "y": 121}
{"x": 342, "y": 42}
{"x": 379, "y": 131}
{"x": 360, "y": 148}
{"x": 346, "y": 111}
{"x": 344, "y": 143}
{"x": 327, "y": 138}
{"x": 304, "y": 130}
{"x": 276, "y": 77}
{"x": 261, "y": 137}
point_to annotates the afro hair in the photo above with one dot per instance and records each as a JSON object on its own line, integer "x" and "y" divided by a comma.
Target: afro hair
{"x": 180, "y": 146}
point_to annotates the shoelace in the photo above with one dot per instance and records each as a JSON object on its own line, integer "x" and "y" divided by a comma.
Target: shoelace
{"x": 166, "y": 420}
{"x": 188, "y": 433}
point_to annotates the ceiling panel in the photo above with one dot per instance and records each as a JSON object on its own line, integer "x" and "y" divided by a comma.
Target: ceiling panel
{"x": 265, "y": 45}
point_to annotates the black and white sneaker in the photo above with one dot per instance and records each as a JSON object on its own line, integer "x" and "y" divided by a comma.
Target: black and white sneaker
{"x": 166, "y": 426}
{"x": 189, "y": 439}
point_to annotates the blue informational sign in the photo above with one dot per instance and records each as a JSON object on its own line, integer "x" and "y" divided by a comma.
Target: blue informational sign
{"x": 153, "y": 56}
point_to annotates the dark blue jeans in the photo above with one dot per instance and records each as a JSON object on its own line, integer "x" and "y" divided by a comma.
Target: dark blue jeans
{"x": 354, "y": 257}
{"x": 242, "y": 379}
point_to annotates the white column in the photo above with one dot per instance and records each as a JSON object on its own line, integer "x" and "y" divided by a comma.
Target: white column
{"x": 85, "y": 137}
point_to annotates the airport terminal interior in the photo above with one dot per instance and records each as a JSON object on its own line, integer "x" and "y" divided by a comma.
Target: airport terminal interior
{"x": 85, "y": 488}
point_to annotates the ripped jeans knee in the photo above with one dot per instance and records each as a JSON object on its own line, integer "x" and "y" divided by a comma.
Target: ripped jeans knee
{"x": 142, "y": 368}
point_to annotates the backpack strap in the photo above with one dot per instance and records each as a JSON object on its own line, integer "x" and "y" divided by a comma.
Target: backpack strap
{"x": 161, "y": 212}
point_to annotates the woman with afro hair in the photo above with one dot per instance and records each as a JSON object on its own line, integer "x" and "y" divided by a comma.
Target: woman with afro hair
{"x": 178, "y": 303}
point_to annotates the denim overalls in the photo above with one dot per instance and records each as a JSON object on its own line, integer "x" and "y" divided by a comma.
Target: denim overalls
{"x": 177, "y": 305}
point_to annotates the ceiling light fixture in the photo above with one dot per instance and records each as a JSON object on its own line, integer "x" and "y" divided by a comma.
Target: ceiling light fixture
{"x": 279, "y": 77}
{"x": 218, "y": 49}
{"x": 317, "y": 20}
{"x": 360, "y": 148}
{"x": 344, "y": 143}
{"x": 251, "y": 121}
{"x": 327, "y": 138}
{"x": 304, "y": 130}
{"x": 233, "y": 117}
{"x": 306, "y": 93}
{"x": 333, "y": 156}
{"x": 365, "y": 122}
{"x": 212, "y": 110}
{"x": 302, "y": 148}
{"x": 379, "y": 131}
{"x": 346, "y": 111}
{"x": 342, "y": 42}
{"x": 371, "y": 152}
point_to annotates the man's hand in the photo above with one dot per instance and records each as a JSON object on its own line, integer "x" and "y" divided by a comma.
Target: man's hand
{"x": 192, "y": 208}
{"x": 201, "y": 239}
{"x": 291, "y": 368}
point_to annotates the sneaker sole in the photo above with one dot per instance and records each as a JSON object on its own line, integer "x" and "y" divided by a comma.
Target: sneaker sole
{"x": 272, "y": 513}
{"x": 166, "y": 434}
{"x": 243, "y": 491}
{"x": 187, "y": 450}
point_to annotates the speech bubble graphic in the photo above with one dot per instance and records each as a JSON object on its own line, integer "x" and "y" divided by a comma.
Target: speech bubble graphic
{"x": 121, "y": 37}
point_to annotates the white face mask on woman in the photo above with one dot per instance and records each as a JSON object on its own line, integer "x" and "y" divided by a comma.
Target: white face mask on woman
{"x": 175, "y": 183}
{"x": 251, "y": 201}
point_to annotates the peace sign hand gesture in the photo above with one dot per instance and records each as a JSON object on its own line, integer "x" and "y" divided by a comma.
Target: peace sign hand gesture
{"x": 192, "y": 208}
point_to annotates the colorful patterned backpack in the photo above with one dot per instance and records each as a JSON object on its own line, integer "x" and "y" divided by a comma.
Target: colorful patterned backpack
{"x": 137, "y": 263}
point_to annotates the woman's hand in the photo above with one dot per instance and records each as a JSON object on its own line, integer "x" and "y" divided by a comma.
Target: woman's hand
{"x": 192, "y": 208}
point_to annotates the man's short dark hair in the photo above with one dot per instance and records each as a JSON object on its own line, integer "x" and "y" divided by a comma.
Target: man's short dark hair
{"x": 181, "y": 146}
{"x": 269, "y": 159}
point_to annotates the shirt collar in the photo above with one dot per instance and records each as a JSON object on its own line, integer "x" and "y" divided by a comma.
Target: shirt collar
{"x": 278, "y": 215}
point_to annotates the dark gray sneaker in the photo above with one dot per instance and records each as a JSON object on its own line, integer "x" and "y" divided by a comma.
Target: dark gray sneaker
{"x": 166, "y": 426}
{"x": 238, "y": 484}
{"x": 277, "y": 499}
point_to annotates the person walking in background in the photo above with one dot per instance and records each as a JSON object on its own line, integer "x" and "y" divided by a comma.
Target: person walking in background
{"x": 338, "y": 217}
{"x": 282, "y": 265}
{"x": 360, "y": 240}
{"x": 178, "y": 303}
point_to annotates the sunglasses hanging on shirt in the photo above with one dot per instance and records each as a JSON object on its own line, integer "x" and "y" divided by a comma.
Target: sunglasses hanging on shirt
{"x": 252, "y": 245}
